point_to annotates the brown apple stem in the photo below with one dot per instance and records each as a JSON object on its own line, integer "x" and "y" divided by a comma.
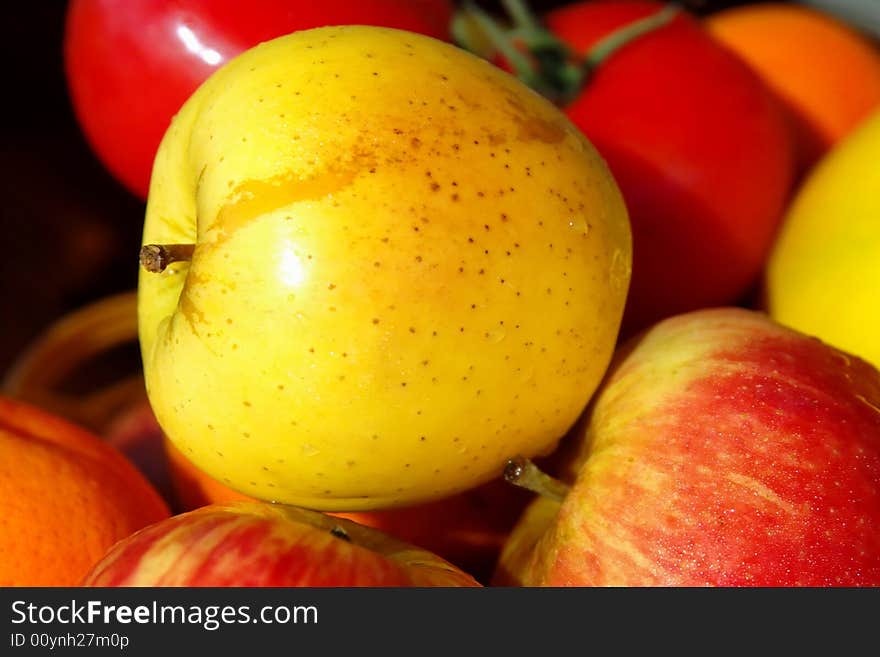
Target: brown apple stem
{"x": 156, "y": 257}
{"x": 339, "y": 532}
{"x": 521, "y": 472}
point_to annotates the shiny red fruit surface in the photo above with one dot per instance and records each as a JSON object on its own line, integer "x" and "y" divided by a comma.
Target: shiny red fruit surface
{"x": 699, "y": 147}
{"x": 130, "y": 65}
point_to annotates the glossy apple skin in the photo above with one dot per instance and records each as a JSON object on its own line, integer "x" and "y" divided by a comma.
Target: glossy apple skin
{"x": 701, "y": 151}
{"x": 131, "y": 65}
{"x": 723, "y": 450}
{"x": 407, "y": 269}
{"x": 259, "y": 544}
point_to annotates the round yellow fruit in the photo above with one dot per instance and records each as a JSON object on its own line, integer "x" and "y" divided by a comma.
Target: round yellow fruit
{"x": 823, "y": 276}
{"x": 408, "y": 267}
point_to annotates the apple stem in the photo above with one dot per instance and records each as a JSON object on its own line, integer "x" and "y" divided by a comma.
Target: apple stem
{"x": 522, "y": 472}
{"x": 340, "y": 533}
{"x": 156, "y": 257}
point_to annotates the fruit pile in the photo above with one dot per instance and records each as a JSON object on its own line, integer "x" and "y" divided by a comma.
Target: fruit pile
{"x": 440, "y": 293}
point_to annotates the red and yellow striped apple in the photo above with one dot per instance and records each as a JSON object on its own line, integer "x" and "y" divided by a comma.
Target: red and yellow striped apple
{"x": 722, "y": 449}
{"x": 261, "y": 544}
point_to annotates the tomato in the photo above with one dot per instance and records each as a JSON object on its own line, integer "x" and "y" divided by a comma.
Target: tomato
{"x": 130, "y": 65}
{"x": 698, "y": 145}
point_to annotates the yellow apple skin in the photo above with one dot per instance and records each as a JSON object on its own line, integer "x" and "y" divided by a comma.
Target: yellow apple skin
{"x": 823, "y": 274}
{"x": 408, "y": 268}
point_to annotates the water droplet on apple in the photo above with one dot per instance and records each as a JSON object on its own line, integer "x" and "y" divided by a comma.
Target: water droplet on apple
{"x": 496, "y": 335}
{"x": 619, "y": 273}
{"x": 579, "y": 225}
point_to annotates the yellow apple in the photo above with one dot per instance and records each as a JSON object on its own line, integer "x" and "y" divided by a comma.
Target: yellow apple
{"x": 400, "y": 266}
{"x": 823, "y": 275}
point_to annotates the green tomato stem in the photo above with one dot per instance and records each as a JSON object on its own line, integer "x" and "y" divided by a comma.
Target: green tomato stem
{"x": 498, "y": 38}
{"x": 616, "y": 40}
{"x": 537, "y": 56}
{"x": 521, "y": 15}
{"x": 533, "y": 53}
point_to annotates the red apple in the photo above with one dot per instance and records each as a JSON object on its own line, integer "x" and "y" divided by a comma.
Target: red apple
{"x": 263, "y": 544}
{"x": 722, "y": 449}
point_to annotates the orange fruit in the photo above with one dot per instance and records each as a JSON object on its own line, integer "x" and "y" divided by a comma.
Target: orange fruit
{"x": 825, "y": 71}
{"x": 65, "y": 498}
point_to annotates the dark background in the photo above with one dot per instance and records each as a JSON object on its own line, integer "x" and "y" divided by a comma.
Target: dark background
{"x": 70, "y": 232}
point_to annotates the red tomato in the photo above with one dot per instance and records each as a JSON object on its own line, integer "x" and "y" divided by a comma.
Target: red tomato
{"x": 698, "y": 146}
{"x": 131, "y": 64}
